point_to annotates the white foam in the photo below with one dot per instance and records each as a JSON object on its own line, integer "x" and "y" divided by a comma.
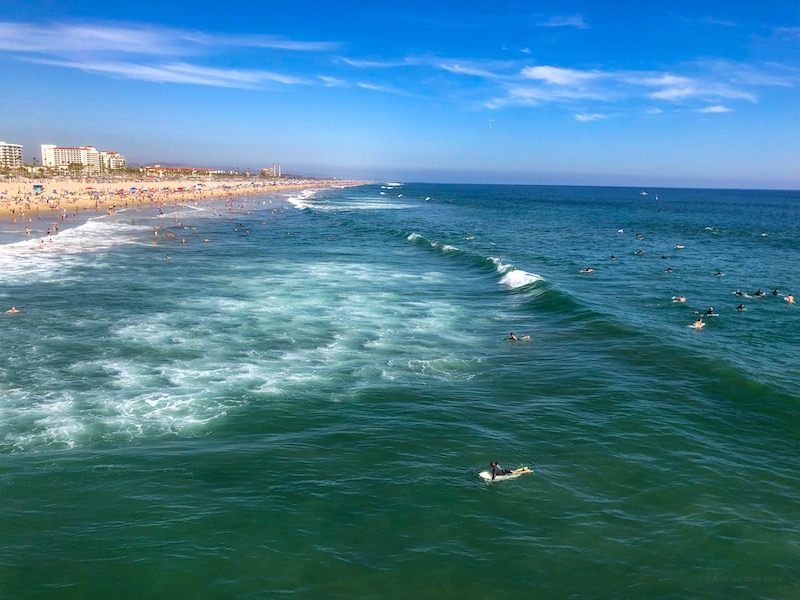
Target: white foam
{"x": 512, "y": 277}
{"x": 51, "y": 255}
{"x": 518, "y": 278}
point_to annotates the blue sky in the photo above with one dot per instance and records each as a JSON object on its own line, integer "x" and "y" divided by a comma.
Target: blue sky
{"x": 660, "y": 93}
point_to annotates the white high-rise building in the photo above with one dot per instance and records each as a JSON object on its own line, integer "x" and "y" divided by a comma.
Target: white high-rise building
{"x": 112, "y": 160}
{"x": 10, "y": 155}
{"x": 88, "y": 156}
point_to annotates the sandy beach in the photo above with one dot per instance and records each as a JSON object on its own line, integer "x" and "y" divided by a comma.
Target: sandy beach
{"x": 22, "y": 201}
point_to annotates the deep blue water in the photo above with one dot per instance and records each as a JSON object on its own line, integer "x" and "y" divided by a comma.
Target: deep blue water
{"x": 298, "y": 400}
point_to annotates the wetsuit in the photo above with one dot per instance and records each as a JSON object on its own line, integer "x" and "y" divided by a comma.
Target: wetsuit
{"x": 497, "y": 471}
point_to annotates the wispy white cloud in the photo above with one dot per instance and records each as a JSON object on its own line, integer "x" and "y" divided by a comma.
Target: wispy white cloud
{"x": 147, "y": 53}
{"x": 708, "y": 84}
{"x": 679, "y": 88}
{"x": 721, "y": 22}
{"x": 266, "y": 41}
{"x": 674, "y": 93}
{"x": 715, "y": 109}
{"x": 182, "y": 56}
{"x": 332, "y": 81}
{"x": 135, "y": 39}
{"x": 374, "y": 64}
{"x": 462, "y": 69}
{"x": 558, "y": 76}
{"x": 58, "y": 39}
{"x": 176, "y": 73}
{"x": 383, "y": 88}
{"x": 585, "y": 118}
{"x": 568, "y": 21}
{"x": 522, "y": 95}
{"x": 788, "y": 31}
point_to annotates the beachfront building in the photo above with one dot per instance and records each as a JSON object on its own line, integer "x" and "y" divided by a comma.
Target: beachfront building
{"x": 87, "y": 156}
{"x": 112, "y": 160}
{"x": 174, "y": 172}
{"x": 10, "y": 155}
{"x": 275, "y": 171}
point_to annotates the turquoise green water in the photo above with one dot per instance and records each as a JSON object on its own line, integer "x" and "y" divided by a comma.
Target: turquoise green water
{"x": 301, "y": 405}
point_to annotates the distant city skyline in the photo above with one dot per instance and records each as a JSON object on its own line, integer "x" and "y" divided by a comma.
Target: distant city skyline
{"x": 653, "y": 94}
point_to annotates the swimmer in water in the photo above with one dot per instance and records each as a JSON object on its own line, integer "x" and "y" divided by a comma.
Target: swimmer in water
{"x": 679, "y": 298}
{"x": 12, "y": 310}
{"x": 699, "y": 324}
{"x": 613, "y": 257}
{"x": 587, "y": 270}
{"x": 679, "y": 246}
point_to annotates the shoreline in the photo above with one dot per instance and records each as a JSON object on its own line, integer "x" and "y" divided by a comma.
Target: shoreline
{"x": 65, "y": 199}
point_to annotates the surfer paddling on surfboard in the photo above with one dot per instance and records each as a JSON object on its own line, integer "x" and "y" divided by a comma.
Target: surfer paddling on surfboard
{"x": 498, "y": 471}
{"x": 513, "y": 338}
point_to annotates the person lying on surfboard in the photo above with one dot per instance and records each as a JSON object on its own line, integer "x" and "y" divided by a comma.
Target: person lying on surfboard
{"x": 513, "y": 338}
{"x": 498, "y": 471}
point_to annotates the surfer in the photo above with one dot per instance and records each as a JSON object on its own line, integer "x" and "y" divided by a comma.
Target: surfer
{"x": 739, "y": 292}
{"x": 679, "y": 298}
{"x": 790, "y": 299}
{"x": 498, "y": 471}
{"x": 740, "y": 307}
{"x": 513, "y": 338}
{"x": 669, "y": 269}
{"x": 710, "y": 311}
{"x": 12, "y": 310}
{"x": 775, "y": 292}
{"x": 699, "y": 324}
{"x": 588, "y": 270}
{"x": 759, "y": 293}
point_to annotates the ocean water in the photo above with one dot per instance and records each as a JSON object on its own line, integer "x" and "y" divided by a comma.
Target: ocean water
{"x": 297, "y": 401}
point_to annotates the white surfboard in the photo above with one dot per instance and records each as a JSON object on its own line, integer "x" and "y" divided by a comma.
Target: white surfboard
{"x": 487, "y": 476}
